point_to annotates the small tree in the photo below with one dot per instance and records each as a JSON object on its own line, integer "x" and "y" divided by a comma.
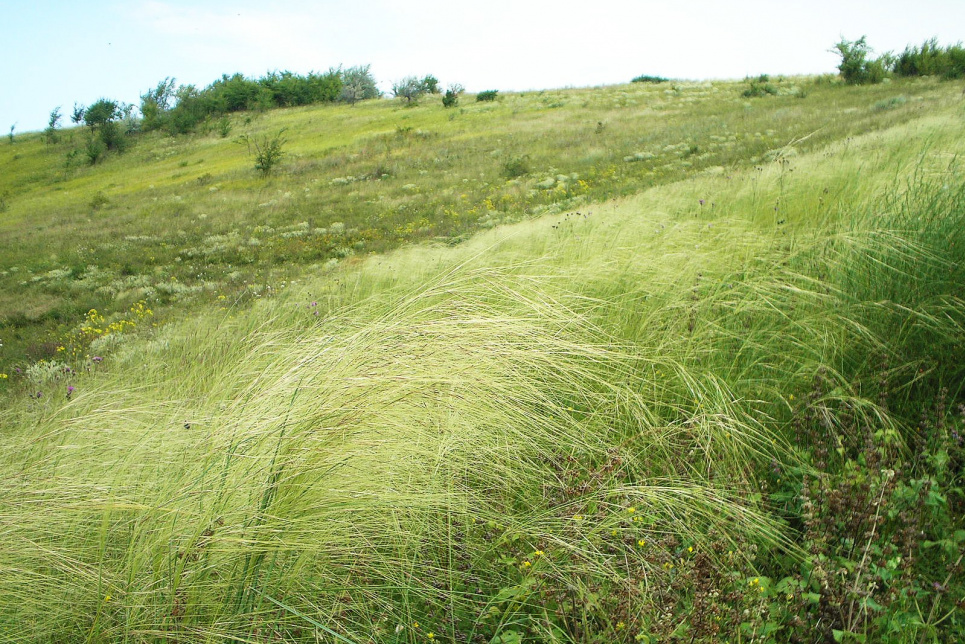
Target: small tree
{"x": 268, "y": 151}
{"x": 50, "y": 134}
{"x": 358, "y": 85}
{"x": 409, "y": 88}
{"x": 412, "y": 88}
{"x": 156, "y": 102}
{"x": 101, "y": 112}
{"x": 431, "y": 84}
{"x": 77, "y": 115}
{"x": 855, "y": 67}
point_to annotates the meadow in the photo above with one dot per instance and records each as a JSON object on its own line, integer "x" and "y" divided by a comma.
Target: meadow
{"x": 180, "y": 220}
{"x": 650, "y": 363}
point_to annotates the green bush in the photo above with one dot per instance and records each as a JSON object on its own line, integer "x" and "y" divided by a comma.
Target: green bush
{"x": 931, "y": 60}
{"x": 358, "y": 84}
{"x": 50, "y": 134}
{"x": 760, "y": 86}
{"x": 487, "y": 95}
{"x": 855, "y": 67}
{"x": 451, "y": 97}
{"x": 155, "y": 103}
{"x": 516, "y": 167}
{"x": 649, "y": 79}
{"x": 268, "y": 151}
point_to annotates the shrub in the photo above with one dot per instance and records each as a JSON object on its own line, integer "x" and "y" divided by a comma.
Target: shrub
{"x": 931, "y": 60}
{"x": 487, "y": 95}
{"x": 855, "y": 67}
{"x": 649, "y": 79}
{"x": 358, "y": 84}
{"x": 516, "y": 167}
{"x": 224, "y": 127}
{"x": 411, "y": 88}
{"x": 102, "y": 111}
{"x": 94, "y": 149}
{"x": 155, "y": 103}
{"x": 268, "y": 151}
{"x": 760, "y": 86}
{"x": 451, "y": 97}
{"x": 431, "y": 84}
{"x": 50, "y": 134}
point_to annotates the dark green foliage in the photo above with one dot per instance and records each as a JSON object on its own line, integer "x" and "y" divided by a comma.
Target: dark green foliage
{"x": 855, "y": 67}
{"x": 77, "y": 115}
{"x": 105, "y": 129}
{"x": 101, "y": 112}
{"x": 113, "y": 136}
{"x": 12, "y": 128}
{"x": 268, "y": 151}
{"x": 94, "y": 149}
{"x": 649, "y": 79}
{"x": 451, "y": 97}
{"x": 286, "y": 89}
{"x": 191, "y": 109}
{"x": 760, "y": 86}
{"x": 50, "y": 134}
{"x": 431, "y": 84}
{"x": 487, "y": 95}
{"x": 931, "y": 60}
{"x": 155, "y": 102}
{"x": 236, "y": 93}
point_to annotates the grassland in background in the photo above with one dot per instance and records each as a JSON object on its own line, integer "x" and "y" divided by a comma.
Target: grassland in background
{"x": 602, "y": 424}
{"x": 177, "y": 221}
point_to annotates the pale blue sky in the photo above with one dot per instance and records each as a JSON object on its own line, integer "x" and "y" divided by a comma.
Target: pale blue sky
{"x": 54, "y": 53}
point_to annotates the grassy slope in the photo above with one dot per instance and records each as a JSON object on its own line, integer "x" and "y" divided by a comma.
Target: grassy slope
{"x": 177, "y": 221}
{"x": 402, "y": 456}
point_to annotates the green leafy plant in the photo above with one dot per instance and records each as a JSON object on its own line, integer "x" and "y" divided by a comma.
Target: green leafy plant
{"x": 856, "y": 67}
{"x": 760, "y": 86}
{"x": 649, "y": 79}
{"x": 358, "y": 84}
{"x": 268, "y": 151}
{"x": 516, "y": 167}
{"x": 487, "y": 95}
{"x": 224, "y": 127}
{"x": 412, "y": 88}
{"x": 931, "y": 59}
{"x": 53, "y": 122}
{"x": 451, "y": 97}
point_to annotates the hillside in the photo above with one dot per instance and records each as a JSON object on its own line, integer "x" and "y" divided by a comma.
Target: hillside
{"x": 693, "y": 374}
{"x": 180, "y": 221}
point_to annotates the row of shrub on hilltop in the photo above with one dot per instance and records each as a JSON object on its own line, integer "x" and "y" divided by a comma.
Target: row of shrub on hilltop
{"x": 931, "y": 59}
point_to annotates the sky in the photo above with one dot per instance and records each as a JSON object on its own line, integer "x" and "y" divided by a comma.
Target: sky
{"x": 55, "y": 53}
